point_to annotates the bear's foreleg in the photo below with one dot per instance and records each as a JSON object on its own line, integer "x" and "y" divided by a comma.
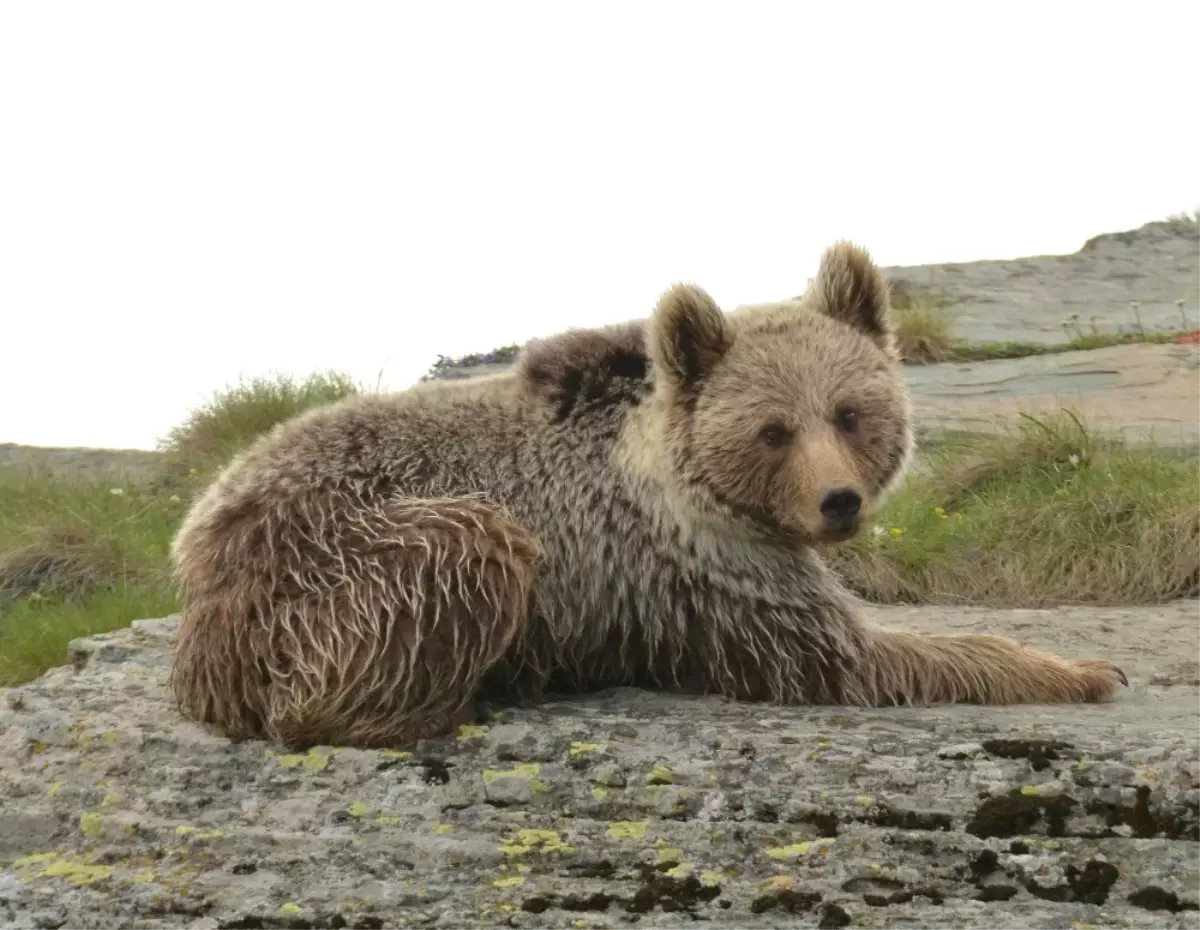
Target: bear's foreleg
{"x": 349, "y": 621}
{"x": 921, "y": 668}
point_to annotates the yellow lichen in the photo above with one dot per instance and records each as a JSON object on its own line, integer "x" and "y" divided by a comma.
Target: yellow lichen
{"x": 289, "y": 908}
{"x": 469, "y": 731}
{"x": 511, "y": 882}
{"x": 75, "y": 871}
{"x": 197, "y": 834}
{"x": 387, "y": 820}
{"x": 579, "y": 749}
{"x": 357, "y": 810}
{"x": 599, "y": 793}
{"x": 110, "y": 800}
{"x": 545, "y": 841}
{"x": 443, "y": 828}
{"x": 1030, "y": 790}
{"x": 669, "y": 854}
{"x": 394, "y": 754}
{"x": 683, "y": 870}
{"x": 55, "y": 788}
{"x": 522, "y": 770}
{"x": 864, "y": 800}
{"x": 90, "y": 823}
{"x": 710, "y": 879}
{"x": 660, "y": 775}
{"x": 315, "y": 760}
{"x": 797, "y": 849}
{"x": 627, "y": 829}
{"x": 34, "y": 859}
{"x": 777, "y": 881}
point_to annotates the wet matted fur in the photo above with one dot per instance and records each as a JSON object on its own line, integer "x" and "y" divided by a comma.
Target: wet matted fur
{"x": 635, "y": 504}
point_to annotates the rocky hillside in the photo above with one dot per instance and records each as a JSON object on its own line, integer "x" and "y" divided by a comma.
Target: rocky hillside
{"x": 1028, "y": 299}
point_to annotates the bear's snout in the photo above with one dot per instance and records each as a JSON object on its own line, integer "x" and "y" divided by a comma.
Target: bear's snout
{"x": 841, "y": 507}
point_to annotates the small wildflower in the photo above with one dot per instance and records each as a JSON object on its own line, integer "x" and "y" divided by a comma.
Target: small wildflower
{"x": 192, "y": 471}
{"x": 116, "y": 492}
{"x": 1134, "y": 304}
{"x": 174, "y": 498}
{"x": 896, "y": 531}
{"x": 1179, "y": 302}
{"x": 877, "y": 530}
{"x": 1073, "y": 458}
{"x": 941, "y": 512}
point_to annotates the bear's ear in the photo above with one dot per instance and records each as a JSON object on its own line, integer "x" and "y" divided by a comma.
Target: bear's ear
{"x": 849, "y": 288}
{"x": 688, "y": 334}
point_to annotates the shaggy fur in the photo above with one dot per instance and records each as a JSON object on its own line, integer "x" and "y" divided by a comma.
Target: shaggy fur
{"x": 630, "y": 505}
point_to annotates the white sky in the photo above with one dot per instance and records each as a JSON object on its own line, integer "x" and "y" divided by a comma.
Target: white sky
{"x": 190, "y": 192}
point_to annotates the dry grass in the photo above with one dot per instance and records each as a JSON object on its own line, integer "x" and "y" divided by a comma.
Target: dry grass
{"x": 1046, "y": 513}
{"x": 923, "y": 324}
{"x": 237, "y": 415}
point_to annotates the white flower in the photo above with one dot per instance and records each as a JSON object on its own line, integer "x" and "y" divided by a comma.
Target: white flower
{"x": 1073, "y": 458}
{"x": 116, "y": 492}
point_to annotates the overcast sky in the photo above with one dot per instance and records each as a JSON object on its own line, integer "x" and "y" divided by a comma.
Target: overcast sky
{"x": 190, "y": 192}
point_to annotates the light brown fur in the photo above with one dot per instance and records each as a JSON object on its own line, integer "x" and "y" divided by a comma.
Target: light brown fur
{"x": 632, "y": 505}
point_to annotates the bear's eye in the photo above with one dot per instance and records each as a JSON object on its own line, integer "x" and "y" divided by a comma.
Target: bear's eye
{"x": 847, "y": 419}
{"x": 775, "y": 435}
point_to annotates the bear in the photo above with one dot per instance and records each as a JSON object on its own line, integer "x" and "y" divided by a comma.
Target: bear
{"x": 639, "y": 504}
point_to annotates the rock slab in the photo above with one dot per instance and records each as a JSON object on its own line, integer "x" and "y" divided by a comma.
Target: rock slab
{"x": 622, "y": 808}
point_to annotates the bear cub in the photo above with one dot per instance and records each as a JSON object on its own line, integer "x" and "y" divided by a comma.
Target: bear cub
{"x": 636, "y": 504}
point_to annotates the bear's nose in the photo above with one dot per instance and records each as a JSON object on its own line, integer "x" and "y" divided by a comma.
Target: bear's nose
{"x": 840, "y": 504}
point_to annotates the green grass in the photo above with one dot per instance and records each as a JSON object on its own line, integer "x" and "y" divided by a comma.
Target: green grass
{"x": 75, "y": 559}
{"x": 83, "y": 556}
{"x": 1044, "y": 513}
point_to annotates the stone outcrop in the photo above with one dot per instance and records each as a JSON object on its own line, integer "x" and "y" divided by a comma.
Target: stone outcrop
{"x": 623, "y": 808}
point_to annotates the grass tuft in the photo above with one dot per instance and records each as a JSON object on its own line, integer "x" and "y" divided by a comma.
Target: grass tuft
{"x": 1045, "y": 513}
{"x": 238, "y": 415}
{"x": 923, "y": 324}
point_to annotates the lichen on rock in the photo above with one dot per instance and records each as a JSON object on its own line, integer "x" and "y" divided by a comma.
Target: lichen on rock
{"x": 618, "y": 808}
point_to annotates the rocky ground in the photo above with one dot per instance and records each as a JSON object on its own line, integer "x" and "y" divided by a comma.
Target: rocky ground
{"x": 621, "y": 808}
{"x": 632, "y": 808}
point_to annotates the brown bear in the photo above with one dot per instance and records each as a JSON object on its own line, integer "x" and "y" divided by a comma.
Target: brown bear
{"x": 631, "y": 505}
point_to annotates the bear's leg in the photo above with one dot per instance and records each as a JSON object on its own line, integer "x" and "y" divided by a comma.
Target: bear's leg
{"x": 980, "y": 669}
{"x": 348, "y": 621}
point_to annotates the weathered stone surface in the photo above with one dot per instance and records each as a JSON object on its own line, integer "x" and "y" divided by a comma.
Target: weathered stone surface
{"x": 1027, "y": 299}
{"x": 621, "y": 808}
{"x": 1144, "y": 393}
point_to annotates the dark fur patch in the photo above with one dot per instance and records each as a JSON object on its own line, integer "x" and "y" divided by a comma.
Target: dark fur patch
{"x": 581, "y": 372}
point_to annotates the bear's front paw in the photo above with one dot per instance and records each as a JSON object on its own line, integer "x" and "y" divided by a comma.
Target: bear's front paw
{"x": 1099, "y": 679}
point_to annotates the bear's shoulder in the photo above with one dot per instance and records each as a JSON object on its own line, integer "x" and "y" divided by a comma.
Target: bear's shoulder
{"x": 587, "y": 370}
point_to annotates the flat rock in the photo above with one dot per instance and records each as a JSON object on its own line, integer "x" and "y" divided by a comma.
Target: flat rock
{"x": 1145, "y": 393}
{"x": 620, "y": 808}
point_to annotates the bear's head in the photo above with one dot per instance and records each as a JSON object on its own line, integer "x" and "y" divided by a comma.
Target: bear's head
{"x": 794, "y": 417}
